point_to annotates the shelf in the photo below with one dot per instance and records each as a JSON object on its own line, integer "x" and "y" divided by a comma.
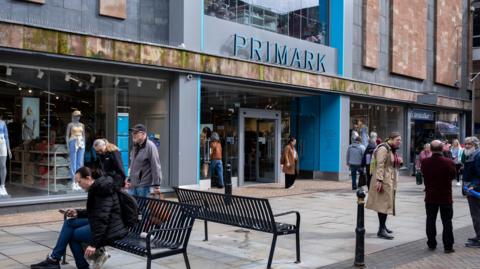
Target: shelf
{"x": 16, "y": 173}
{"x": 20, "y": 162}
{"x": 30, "y": 186}
{"x": 49, "y": 152}
{"x": 51, "y": 177}
{"x": 51, "y": 164}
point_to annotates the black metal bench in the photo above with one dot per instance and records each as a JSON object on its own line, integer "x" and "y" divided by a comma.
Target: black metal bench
{"x": 163, "y": 230}
{"x": 244, "y": 212}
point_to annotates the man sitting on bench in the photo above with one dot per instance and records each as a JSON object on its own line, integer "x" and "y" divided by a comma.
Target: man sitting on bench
{"x": 96, "y": 226}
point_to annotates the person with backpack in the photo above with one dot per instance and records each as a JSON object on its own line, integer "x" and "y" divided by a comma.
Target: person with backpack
{"x": 384, "y": 168}
{"x": 471, "y": 177}
{"x": 367, "y": 156}
{"x": 110, "y": 161}
{"x": 96, "y": 226}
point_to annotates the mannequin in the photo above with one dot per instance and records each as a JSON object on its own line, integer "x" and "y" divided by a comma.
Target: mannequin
{"x": 28, "y": 130}
{"x": 4, "y": 152}
{"x": 363, "y": 132}
{"x": 75, "y": 138}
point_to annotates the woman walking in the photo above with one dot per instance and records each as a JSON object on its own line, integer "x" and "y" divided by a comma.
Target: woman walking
{"x": 110, "y": 161}
{"x": 457, "y": 151}
{"x": 289, "y": 160}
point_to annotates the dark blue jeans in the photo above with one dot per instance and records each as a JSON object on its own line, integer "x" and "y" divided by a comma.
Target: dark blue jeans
{"x": 354, "y": 169}
{"x": 74, "y": 232}
{"x": 140, "y": 191}
{"x": 216, "y": 165}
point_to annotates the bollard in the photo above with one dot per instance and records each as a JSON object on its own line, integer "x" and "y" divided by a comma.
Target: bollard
{"x": 360, "y": 230}
{"x": 228, "y": 183}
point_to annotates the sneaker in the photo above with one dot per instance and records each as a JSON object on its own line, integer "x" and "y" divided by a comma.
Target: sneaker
{"x": 48, "y": 263}
{"x": 449, "y": 250}
{"x": 473, "y": 239}
{"x": 473, "y": 244}
{"x": 291, "y": 187}
{"x": 3, "y": 191}
{"x": 458, "y": 184}
{"x": 100, "y": 260}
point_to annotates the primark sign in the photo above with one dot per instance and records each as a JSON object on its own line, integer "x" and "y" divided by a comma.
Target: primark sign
{"x": 275, "y": 53}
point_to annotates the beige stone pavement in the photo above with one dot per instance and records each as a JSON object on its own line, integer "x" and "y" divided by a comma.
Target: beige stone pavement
{"x": 328, "y": 211}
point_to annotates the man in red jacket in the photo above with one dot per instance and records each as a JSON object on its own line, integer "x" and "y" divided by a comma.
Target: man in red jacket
{"x": 438, "y": 172}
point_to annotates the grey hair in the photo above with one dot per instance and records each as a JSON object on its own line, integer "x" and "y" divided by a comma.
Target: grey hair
{"x": 373, "y": 137}
{"x": 99, "y": 142}
{"x": 474, "y": 140}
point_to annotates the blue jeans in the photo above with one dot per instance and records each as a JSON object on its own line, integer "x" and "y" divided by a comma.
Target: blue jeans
{"x": 216, "y": 165}
{"x": 76, "y": 157}
{"x": 74, "y": 232}
{"x": 354, "y": 169}
{"x": 139, "y": 191}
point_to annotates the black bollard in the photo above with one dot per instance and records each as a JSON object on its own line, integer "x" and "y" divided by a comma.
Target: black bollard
{"x": 228, "y": 183}
{"x": 360, "y": 230}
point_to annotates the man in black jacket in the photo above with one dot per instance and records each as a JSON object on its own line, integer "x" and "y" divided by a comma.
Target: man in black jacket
{"x": 96, "y": 226}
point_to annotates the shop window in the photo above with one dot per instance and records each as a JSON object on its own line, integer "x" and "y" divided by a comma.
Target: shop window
{"x": 304, "y": 19}
{"x": 53, "y": 117}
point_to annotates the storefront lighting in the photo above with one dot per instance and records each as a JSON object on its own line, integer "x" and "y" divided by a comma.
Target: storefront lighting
{"x": 85, "y": 102}
{"x": 159, "y": 85}
{"x": 56, "y": 97}
{"x": 80, "y": 84}
{"x": 92, "y": 79}
{"x": 40, "y": 74}
{"x": 30, "y": 91}
{"x": 139, "y": 83}
{"x": 8, "y": 82}
{"x": 20, "y": 88}
{"x": 67, "y": 77}
{"x": 9, "y": 71}
{"x": 116, "y": 82}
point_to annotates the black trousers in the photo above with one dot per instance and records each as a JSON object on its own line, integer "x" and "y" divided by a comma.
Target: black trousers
{"x": 446, "y": 214}
{"x": 289, "y": 180}
{"x": 458, "y": 166}
{"x": 369, "y": 177}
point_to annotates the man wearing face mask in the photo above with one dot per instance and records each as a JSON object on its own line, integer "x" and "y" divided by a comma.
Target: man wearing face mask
{"x": 471, "y": 177}
{"x": 145, "y": 169}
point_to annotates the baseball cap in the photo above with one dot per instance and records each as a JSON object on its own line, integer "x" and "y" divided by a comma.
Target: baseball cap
{"x": 138, "y": 128}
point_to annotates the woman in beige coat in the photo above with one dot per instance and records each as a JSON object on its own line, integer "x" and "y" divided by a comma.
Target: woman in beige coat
{"x": 289, "y": 161}
{"x": 381, "y": 196}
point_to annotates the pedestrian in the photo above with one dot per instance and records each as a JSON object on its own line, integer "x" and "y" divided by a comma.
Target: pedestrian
{"x": 446, "y": 149}
{"x": 216, "y": 164}
{"x": 145, "y": 169}
{"x": 381, "y": 195}
{"x": 96, "y": 226}
{"x": 438, "y": 172}
{"x": 471, "y": 176}
{"x": 424, "y": 154}
{"x": 457, "y": 152}
{"x": 367, "y": 156}
{"x": 354, "y": 159}
{"x": 289, "y": 161}
{"x": 110, "y": 161}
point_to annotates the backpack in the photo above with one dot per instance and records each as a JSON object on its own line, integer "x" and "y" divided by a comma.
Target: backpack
{"x": 128, "y": 208}
{"x": 373, "y": 160}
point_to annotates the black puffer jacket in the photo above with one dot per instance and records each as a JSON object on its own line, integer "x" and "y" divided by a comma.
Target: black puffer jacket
{"x": 103, "y": 213}
{"x": 112, "y": 165}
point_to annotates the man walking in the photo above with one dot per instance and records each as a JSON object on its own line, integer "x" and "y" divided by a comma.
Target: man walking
{"x": 145, "y": 168}
{"x": 354, "y": 159}
{"x": 216, "y": 164}
{"x": 438, "y": 172}
{"x": 471, "y": 176}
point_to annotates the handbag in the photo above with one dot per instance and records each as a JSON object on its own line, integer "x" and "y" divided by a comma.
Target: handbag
{"x": 362, "y": 180}
{"x": 419, "y": 177}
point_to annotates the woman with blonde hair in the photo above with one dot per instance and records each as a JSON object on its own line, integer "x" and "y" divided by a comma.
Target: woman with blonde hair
{"x": 110, "y": 161}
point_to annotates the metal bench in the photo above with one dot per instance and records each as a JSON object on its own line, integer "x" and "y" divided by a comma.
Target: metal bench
{"x": 163, "y": 230}
{"x": 240, "y": 211}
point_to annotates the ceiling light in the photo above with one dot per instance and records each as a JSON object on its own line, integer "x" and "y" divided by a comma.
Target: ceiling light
{"x": 139, "y": 83}
{"x": 40, "y": 74}
{"x": 30, "y": 91}
{"x": 67, "y": 77}
{"x": 159, "y": 85}
{"x": 116, "y": 82}
{"x": 57, "y": 97}
{"x": 20, "y": 88}
{"x": 9, "y": 71}
{"x": 8, "y": 82}
{"x": 80, "y": 84}
{"x": 92, "y": 79}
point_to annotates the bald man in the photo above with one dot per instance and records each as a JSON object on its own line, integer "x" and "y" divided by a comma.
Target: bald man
{"x": 438, "y": 172}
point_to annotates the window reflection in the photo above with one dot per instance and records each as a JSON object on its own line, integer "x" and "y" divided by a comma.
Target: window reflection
{"x": 304, "y": 19}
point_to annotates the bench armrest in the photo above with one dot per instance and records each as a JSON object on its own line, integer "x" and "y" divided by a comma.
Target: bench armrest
{"x": 289, "y": 213}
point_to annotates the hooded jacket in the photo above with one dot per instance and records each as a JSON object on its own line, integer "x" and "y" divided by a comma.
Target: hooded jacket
{"x": 103, "y": 213}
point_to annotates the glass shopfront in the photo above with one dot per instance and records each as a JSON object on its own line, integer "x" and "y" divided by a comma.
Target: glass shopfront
{"x": 40, "y": 108}
{"x": 253, "y": 126}
{"x": 304, "y": 19}
{"x": 371, "y": 117}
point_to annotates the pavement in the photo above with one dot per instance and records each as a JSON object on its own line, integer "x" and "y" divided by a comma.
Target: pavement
{"x": 328, "y": 211}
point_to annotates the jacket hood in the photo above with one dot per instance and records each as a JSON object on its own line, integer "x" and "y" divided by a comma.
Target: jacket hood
{"x": 102, "y": 186}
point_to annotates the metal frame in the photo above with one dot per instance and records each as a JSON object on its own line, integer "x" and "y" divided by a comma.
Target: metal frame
{"x": 258, "y": 114}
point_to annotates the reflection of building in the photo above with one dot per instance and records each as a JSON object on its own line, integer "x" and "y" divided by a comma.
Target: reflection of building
{"x": 313, "y": 69}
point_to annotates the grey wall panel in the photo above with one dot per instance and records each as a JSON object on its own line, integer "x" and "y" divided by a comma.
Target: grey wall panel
{"x": 147, "y": 20}
{"x": 382, "y": 74}
{"x": 219, "y": 39}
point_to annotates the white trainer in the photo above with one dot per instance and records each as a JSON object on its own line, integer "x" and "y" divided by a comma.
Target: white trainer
{"x": 458, "y": 184}
{"x": 3, "y": 191}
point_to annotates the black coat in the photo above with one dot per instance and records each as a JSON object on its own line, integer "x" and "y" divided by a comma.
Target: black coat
{"x": 368, "y": 151}
{"x": 112, "y": 165}
{"x": 103, "y": 213}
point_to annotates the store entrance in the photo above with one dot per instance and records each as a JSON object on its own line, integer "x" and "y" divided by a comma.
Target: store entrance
{"x": 259, "y": 144}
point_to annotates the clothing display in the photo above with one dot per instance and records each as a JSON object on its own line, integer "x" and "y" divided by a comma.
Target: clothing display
{"x": 4, "y": 152}
{"x": 28, "y": 131}
{"x": 75, "y": 138}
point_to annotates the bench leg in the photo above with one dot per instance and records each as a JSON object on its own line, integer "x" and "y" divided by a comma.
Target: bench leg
{"x": 206, "y": 230}
{"x": 185, "y": 257}
{"x": 297, "y": 238}
{"x": 272, "y": 250}
{"x": 149, "y": 263}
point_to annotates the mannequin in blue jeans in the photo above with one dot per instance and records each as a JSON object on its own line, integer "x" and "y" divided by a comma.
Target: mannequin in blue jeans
{"x": 75, "y": 138}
